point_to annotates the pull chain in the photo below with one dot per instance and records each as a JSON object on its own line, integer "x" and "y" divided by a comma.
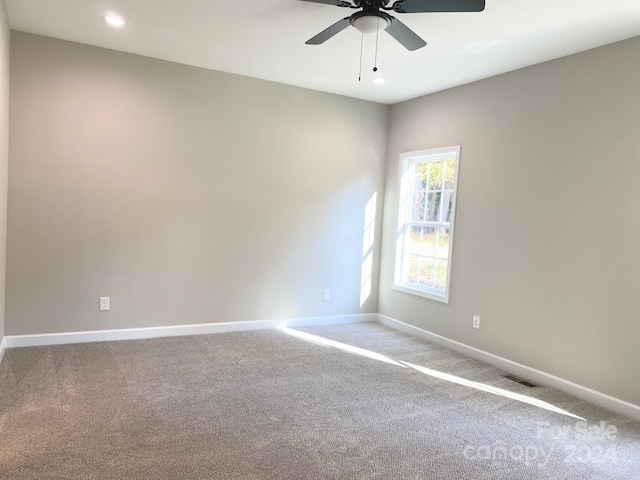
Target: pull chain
{"x": 361, "y": 48}
{"x": 375, "y": 63}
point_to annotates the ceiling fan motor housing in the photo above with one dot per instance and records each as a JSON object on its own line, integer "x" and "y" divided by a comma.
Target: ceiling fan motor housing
{"x": 371, "y": 3}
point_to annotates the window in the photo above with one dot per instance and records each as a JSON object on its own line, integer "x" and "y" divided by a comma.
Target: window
{"x": 426, "y": 210}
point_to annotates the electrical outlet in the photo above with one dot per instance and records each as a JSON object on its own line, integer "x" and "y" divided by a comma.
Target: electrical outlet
{"x": 327, "y": 295}
{"x": 104, "y": 304}
{"x": 476, "y": 322}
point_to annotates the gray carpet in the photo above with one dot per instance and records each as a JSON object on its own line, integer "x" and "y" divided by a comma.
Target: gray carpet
{"x": 268, "y": 405}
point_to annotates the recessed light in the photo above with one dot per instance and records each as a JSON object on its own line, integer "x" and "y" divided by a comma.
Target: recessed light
{"x": 378, "y": 81}
{"x": 114, "y": 20}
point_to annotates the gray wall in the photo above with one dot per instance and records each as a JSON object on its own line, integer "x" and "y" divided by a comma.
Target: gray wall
{"x": 547, "y": 232}
{"x": 185, "y": 195}
{"x": 4, "y": 153}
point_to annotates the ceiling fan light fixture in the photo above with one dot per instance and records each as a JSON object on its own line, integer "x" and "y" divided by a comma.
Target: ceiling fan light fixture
{"x": 369, "y": 24}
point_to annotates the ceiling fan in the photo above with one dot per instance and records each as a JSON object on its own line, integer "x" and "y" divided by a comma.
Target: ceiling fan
{"x": 370, "y": 18}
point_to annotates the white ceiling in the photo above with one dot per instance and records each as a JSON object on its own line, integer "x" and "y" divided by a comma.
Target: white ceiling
{"x": 265, "y": 38}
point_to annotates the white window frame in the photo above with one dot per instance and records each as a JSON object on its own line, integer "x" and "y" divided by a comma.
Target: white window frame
{"x": 402, "y": 223}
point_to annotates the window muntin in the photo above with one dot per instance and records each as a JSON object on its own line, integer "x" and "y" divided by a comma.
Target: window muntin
{"x": 426, "y": 210}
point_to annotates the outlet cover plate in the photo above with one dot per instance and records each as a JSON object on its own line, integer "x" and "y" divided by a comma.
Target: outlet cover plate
{"x": 104, "y": 304}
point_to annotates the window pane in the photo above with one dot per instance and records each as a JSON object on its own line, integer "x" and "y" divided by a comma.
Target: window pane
{"x": 450, "y": 174}
{"x": 414, "y": 240}
{"x": 441, "y": 274}
{"x": 421, "y": 172}
{"x": 433, "y": 206}
{"x": 442, "y": 250}
{"x": 411, "y": 269}
{"x": 428, "y": 242}
{"x": 447, "y": 205}
{"x": 418, "y": 206}
{"x": 435, "y": 175}
{"x": 426, "y": 271}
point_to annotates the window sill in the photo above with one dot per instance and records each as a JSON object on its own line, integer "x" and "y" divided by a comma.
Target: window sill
{"x": 421, "y": 293}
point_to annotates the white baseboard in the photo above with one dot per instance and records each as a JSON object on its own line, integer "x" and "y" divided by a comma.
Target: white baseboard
{"x": 17, "y": 341}
{"x": 3, "y": 345}
{"x": 587, "y": 394}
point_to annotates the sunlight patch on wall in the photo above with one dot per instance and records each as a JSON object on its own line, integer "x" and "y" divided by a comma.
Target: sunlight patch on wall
{"x": 367, "y": 248}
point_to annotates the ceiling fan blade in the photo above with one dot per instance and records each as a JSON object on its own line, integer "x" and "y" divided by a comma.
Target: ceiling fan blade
{"x": 329, "y": 32}
{"x": 436, "y": 6}
{"x": 337, "y": 3}
{"x": 404, "y": 35}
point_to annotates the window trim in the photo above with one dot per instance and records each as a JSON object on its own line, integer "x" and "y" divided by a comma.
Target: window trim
{"x": 404, "y": 160}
